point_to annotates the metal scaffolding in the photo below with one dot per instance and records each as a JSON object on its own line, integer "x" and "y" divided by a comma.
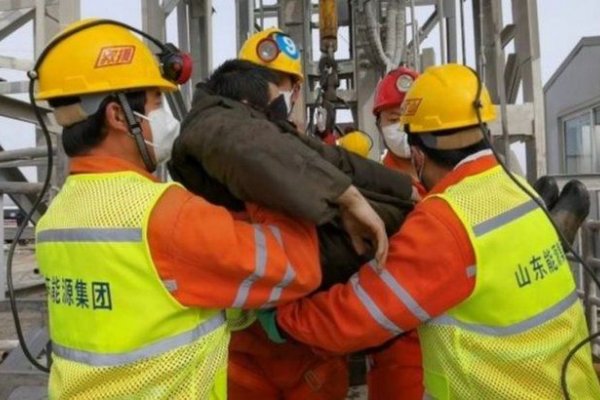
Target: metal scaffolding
{"x": 375, "y": 44}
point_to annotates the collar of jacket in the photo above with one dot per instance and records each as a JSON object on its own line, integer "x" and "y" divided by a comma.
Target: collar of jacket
{"x": 286, "y": 126}
{"x": 204, "y": 99}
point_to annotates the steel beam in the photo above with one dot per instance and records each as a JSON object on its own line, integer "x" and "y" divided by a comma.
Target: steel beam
{"x": 153, "y": 20}
{"x": 347, "y": 96}
{"x": 200, "y": 23}
{"x": 427, "y": 27}
{"x": 500, "y": 88}
{"x": 519, "y": 117}
{"x": 3, "y": 275}
{"x": 14, "y": 87}
{"x": 23, "y": 163}
{"x": 22, "y": 111}
{"x": 23, "y": 154}
{"x": 22, "y": 200}
{"x": 527, "y": 47}
{"x": 512, "y": 78}
{"x": 11, "y": 5}
{"x": 508, "y": 34}
{"x": 169, "y": 5}
{"x": 177, "y": 104}
{"x": 57, "y": 18}
{"x": 477, "y": 34}
{"x": 39, "y": 27}
{"x": 20, "y": 187}
{"x": 17, "y": 64}
{"x": 294, "y": 20}
{"x": 45, "y": 26}
{"x": 485, "y": 39}
{"x": 183, "y": 31}
{"x": 449, "y": 8}
{"x": 366, "y": 77}
{"x": 68, "y": 11}
{"x": 13, "y": 20}
{"x": 244, "y": 15}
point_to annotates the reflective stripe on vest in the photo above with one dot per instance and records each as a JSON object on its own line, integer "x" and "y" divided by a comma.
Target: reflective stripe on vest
{"x": 513, "y": 329}
{"x": 165, "y": 345}
{"x": 510, "y": 337}
{"x": 116, "y": 330}
{"x": 90, "y": 235}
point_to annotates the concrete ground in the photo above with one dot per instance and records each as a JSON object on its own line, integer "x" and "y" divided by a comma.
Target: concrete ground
{"x": 27, "y": 283}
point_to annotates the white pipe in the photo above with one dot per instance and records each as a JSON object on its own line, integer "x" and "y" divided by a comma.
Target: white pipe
{"x": 442, "y": 25}
{"x": 390, "y": 29}
{"x": 374, "y": 37}
{"x": 415, "y": 36}
{"x": 400, "y": 33}
{"x": 40, "y": 26}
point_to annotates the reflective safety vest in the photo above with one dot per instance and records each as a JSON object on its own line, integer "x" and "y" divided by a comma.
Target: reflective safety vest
{"x": 116, "y": 330}
{"x": 509, "y": 339}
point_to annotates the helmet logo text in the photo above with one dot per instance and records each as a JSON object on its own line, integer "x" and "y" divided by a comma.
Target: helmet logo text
{"x": 115, "y": 55}
{"x": 410, "y": 106}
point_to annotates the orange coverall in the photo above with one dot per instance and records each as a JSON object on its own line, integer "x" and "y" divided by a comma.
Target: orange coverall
{"x": 208, "y": 255}
{"x": 400, "y": 164}
{"x": 426, "y": 274}
{"x": 396, "y": 367}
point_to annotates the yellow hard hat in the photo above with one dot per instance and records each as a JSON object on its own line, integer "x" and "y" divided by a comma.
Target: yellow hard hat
{"x": 442, "y": 98}
{"x": 275, "y": 50}
{"x": 357, "y": 142}
{"x": 101, "y": 58}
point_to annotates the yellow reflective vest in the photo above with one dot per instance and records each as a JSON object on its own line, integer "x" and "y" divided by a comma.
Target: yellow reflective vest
{"x": 116, "y": 330}
{"x": 509, "y": 339}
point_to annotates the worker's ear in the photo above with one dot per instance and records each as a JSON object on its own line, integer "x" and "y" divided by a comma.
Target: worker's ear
{"x": 296, "y": 91}
{"x": 115, "y": 117}
{"x": 417, "y": 158}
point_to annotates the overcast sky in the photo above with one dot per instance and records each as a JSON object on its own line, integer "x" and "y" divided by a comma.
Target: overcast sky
{"x": 561, "y": 25}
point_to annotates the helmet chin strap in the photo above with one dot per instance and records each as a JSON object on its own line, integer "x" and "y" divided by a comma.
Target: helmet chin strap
{"x": 136, "y": 131}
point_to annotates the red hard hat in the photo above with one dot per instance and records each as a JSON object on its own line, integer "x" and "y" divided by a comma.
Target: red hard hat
{"x": 392, "y": 88}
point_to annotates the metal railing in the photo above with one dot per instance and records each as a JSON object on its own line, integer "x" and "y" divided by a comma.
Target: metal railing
{"x": 586, "y": 288}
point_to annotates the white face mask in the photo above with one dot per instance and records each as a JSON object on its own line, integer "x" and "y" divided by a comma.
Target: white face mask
{"x": 287, "y": 96}
{"x": 165, "y": 128}
{"x": 396, "y": 140}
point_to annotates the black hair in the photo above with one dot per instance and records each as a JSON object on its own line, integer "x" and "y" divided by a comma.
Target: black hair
{"x": 79, "y": 138}
{"x": 446, "y": 158}
{"x": 243, "y": 80}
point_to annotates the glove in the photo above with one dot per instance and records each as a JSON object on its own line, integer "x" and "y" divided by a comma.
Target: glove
{"x": 269, "y": 325}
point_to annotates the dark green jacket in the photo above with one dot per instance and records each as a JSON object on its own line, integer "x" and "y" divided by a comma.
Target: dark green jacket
{"x": 229, "y": 153}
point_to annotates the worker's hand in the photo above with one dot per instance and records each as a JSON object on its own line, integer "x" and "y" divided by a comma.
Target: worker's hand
{"x": 362, "y": 223}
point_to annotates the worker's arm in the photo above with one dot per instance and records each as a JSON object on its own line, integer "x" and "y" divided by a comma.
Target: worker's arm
{"x": 365, "y": 174}
{"x": 427, "y": 273}
{"x": 214, "y": 261}
{"x": 259, "y": 164}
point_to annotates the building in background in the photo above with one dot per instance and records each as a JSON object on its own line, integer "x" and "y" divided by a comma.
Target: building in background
{"x": 572, "y": 101}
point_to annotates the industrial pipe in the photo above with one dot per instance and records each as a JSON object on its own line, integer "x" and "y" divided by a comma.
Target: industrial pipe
{"x": 374, "y": 38}
{"x": 328, "y": 26}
